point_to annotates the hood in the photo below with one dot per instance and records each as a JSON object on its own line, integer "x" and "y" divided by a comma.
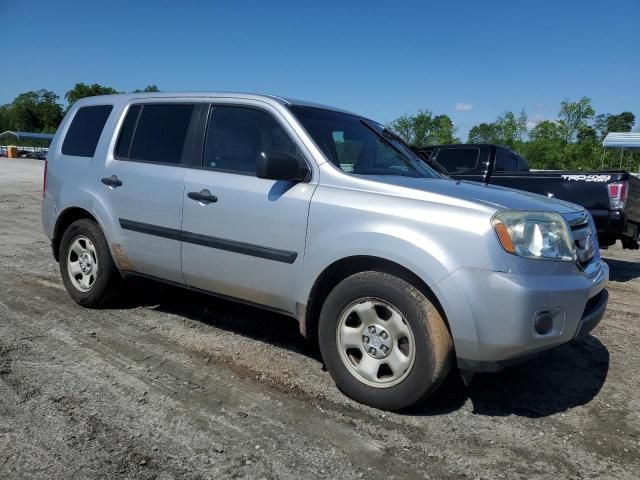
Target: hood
{"x": 501, "y": 198}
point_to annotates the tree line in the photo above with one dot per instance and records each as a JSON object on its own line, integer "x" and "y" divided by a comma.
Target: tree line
{"x": 41, "y": 111}
{"x": 571, "y": 141}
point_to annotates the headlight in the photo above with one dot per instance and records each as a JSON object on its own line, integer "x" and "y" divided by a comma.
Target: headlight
{"x": 540, "y": 235}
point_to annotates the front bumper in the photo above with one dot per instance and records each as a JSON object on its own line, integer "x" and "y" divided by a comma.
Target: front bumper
{"x": 492, "y": 314}
{"x": 589, "y": 321}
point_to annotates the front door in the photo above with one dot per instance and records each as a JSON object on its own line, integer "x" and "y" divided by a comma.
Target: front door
{"x": 244, "y": 236}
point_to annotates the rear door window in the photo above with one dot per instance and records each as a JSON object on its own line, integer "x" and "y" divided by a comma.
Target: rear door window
{"x": 123, "y": 147}
{"x": 505, "y": 161}
{"x": 160, "y": 133}
{"x": 85, "y": 130}
{"x": 458, "y": 160}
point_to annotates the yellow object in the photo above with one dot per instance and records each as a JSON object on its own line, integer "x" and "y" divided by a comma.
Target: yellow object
{"x": 12, "y": 152}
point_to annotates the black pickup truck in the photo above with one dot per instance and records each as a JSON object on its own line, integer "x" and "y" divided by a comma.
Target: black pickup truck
{"x": 612, "y": 196}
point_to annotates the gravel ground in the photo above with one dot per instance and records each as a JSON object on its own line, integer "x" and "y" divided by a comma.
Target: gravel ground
{"x": 179, "y": 385}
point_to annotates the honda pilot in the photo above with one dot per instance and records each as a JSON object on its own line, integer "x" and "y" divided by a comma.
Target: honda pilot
{"x": 396, "y": 271}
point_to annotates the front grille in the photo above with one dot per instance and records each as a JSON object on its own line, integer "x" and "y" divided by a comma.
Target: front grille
{"x": 584, "y": 240}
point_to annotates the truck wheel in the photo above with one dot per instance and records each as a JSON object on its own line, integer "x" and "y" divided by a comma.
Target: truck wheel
{"x": 383, "y": 342}
{"x": 88, "y": 271}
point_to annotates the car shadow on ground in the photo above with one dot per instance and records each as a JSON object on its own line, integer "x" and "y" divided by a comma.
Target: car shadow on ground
{"x": 248, "y": 321}
{"x": 558, "y": 380}
{"x": 622, "y": 270}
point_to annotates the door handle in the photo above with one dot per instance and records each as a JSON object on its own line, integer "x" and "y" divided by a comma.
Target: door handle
{"x": 112, "y": 181}
{"x": 203, "y": 196}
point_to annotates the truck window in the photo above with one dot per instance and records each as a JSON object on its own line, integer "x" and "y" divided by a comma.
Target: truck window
{"x": 523, "y": 166}
{"x": 236, "y": 135}
{"x": 85, "y": 130}
{"x": 505, "y": 161}
{"x": 458, "y": 160}
{"x": 160, "y": 133}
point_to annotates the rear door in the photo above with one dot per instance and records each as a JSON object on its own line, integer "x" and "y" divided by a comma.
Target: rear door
{"x": 247, "y": 241}
{"x": 143, "y": 184}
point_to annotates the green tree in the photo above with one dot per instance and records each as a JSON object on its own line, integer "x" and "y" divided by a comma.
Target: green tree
{"x": 623, "y": 122}
{"x": 148, "y": 89}
{"x": 600, "y": 125}
{"x": 421, "y": 128}
{"x": 35, "y": 111}
{"x": 484, "y": 133}
{"x": 403, "y": 127}
{"x": 81, "y": 90}
{"x": 573, "y": 116}
{"x": 522, "y": 124}
{"x": 545, "y": 148}
{"x": 424, "y": 129}
{"x": 587, "y": 134}
{"x": 5, "y": 118}
{"x": 49, "y": 110}
{"x": 546, "y": 130}
{"x": 507, "y": 126}
{"x": 443, "y": 130}
{"x": 605, "y": 123}
{"x": 507, "y": 129}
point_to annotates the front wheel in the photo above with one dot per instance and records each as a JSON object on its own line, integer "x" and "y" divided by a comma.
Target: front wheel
{"x": 383, "y": 341}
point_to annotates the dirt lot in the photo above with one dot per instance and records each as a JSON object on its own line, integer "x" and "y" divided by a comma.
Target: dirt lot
{"x": 179, "y": 385}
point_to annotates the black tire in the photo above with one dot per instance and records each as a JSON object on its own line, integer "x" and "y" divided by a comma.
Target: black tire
{"x": 107, "y": 285}
{"x": 433, "y": 344}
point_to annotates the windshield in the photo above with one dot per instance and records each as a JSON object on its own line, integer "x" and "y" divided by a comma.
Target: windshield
{"x": 359, "y": 146}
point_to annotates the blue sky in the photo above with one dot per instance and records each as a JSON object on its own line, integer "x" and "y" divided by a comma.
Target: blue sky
{"x": 472, "y": 60}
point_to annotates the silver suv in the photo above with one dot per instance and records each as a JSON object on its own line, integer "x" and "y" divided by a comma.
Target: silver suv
{"x": 323, "y": 215}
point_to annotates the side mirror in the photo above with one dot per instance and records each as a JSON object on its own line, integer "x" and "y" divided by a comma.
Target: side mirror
{"x": 280, "y": 166}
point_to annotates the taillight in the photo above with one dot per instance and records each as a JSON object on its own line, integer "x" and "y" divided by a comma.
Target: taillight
{"x": 617, "y": 195}
{"x": 44, "y": 178}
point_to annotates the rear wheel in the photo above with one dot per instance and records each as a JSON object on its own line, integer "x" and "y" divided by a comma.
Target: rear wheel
{"x": 383, "y": 342}
{"x": 88, "y": 271}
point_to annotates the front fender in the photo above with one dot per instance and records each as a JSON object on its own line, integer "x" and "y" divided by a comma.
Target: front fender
{"x": 322, "y": 254}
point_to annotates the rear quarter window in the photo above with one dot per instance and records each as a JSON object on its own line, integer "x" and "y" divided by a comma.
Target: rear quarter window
{"x": 506, "y": 161}
{"x": 85, "y": 130}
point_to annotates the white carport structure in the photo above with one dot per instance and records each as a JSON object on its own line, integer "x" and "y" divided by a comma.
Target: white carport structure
{"x": 622, "y": 140}
{"x": 27, "y": 135}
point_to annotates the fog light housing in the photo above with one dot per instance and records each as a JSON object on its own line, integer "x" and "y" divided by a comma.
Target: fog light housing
{"x": 543, "y": 323}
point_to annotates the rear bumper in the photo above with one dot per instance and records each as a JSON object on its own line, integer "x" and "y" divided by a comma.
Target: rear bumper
{"x": 48, "y": 216}
{"x": 493, "y": 315}
{"x": 614, "y": 224}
